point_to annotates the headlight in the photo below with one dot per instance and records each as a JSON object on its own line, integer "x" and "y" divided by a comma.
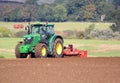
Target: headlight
{"x": 29, "y": 38}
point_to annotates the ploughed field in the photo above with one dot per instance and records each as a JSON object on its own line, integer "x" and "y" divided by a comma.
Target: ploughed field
{"x": 60, "y": 70}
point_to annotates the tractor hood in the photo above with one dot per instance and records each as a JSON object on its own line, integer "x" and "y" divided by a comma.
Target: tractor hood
{"x": 31, "y": 36}
{"x": 31, "y": 39}
{"x": 28, "y": 36}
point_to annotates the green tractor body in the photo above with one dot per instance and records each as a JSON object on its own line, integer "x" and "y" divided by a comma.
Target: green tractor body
{"x": 40, "y": 41}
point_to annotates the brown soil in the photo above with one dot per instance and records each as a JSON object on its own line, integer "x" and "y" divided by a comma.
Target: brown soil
{"x": 65, "y": 70}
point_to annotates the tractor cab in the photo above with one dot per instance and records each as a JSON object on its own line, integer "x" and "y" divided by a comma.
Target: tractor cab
{"x": 38, "y": 33}
{"x": 42, "y": 29}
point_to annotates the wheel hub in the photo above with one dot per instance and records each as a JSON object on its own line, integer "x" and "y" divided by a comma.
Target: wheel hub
{"x": 58, "y": 48}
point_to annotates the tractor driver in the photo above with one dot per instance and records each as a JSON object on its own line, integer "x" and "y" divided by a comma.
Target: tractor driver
{"x": 44, "y": 32}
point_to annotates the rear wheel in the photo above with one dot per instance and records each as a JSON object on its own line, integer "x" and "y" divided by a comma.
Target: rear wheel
{"x": 41, "y": 50}
{"x": 17, "y": 52}
{"x": 58, "y": 48}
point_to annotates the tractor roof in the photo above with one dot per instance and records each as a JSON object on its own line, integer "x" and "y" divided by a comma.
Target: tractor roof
{"x": 41, "y": 24}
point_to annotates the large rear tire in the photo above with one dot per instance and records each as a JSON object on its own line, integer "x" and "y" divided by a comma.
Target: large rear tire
{"x": 58, "y": 48}
{"x": 17, "y": 52}
{"x": 41, "y": 50}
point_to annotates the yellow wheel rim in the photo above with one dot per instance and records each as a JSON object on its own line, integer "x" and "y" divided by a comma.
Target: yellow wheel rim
{"x": 43, "y": 51}
{"x": 58, "y": 48}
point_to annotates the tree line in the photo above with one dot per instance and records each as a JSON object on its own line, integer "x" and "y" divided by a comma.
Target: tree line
{"x": 62, "y": 10}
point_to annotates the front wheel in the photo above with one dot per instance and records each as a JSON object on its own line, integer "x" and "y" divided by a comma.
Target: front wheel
{"x": 41, "y": 50}
{"x": 58, "y": 48}
{"x": 17, "y": 52}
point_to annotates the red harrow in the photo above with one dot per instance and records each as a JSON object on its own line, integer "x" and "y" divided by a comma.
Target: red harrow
{"x": 70, "y": 51}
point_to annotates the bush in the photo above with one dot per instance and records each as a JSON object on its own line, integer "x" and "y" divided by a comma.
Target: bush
{"x": 116, "y": 35}
{"x": 102, "y": 34}
{"x": 59, "y": 33}
{"x": 88, "y": 31}
{"x": 5, "y": 32}
{"x": 69, "y": 34}
{"x": 20, "y": 34}
{"x": 80, "y": 35}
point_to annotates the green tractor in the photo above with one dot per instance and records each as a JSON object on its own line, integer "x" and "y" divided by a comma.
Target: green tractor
{"x": 40, "y": 42}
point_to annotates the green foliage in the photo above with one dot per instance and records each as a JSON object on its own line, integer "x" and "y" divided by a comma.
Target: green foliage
{"x": 60, "y": 13}
{"x": 89, "y": 11}
{"x": 116, "y": 35}
{"x": 4, "y": 32}
{"x": 31, "y": 1}
{"x": 88, "y": 31}
{"x": 116, "y": 2}
{"x": 16, "y": 14}
{"x": 80, "y": 35}
{"x": 60, "y": 10}
{"x": 6, "y": 13}
{"x": 45, "y": 13}
{"x": 102, "y": 34}
{"x": 69, "y": 34}
{"x": 116, "y": 18}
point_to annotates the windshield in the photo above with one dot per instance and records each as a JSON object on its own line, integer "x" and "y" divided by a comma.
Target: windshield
{"x": 50, "y": 29}
{"x": 37, "y": 29}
